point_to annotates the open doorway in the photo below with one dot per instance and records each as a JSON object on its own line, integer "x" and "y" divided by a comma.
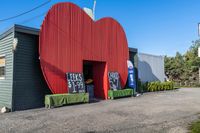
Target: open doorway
{"x": 89, "y": 80}
{"x": 94, "y": 75}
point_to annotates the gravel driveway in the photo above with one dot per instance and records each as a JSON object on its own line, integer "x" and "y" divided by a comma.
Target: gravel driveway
{"x": 161, "y": 112}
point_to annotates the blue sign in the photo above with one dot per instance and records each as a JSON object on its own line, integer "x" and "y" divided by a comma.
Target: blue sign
{"x": 131, "y": 78}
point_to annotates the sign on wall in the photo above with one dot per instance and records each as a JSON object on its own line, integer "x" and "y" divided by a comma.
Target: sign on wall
{"x": 114, "y": 80}
{"x": 75, "y": 83}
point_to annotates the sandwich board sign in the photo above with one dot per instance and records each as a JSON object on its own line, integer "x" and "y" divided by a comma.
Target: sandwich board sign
{"x": 75, "y": 82}
{"x": 114, "y": 80}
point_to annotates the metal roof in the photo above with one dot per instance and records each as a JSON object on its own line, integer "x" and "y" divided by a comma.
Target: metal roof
{"x": 20, "y": 28}
{"x": 133, "y": 50}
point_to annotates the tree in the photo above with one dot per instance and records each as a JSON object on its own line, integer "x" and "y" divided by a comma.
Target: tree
{"x": 184, "y": 68}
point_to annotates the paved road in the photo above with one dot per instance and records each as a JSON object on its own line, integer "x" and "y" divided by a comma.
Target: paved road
{"x": 161, "y": 112}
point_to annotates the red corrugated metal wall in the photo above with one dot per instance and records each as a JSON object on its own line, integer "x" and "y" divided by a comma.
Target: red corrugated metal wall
{"x": 68, "y": 36}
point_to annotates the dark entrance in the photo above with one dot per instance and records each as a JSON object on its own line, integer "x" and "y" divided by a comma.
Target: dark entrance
{"x": 96, "y": 71}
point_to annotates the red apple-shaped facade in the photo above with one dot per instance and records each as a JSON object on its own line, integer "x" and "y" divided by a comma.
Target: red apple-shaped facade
{"x": 69, "y": 36}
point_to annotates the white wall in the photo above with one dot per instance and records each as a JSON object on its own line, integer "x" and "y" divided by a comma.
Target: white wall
{"x": 150, "y": 67}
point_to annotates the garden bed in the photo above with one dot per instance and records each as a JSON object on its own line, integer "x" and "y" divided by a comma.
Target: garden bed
{"x": 56, "y": 100}
{"x": 113, "y": 94}
{"x": 156, "y": 86}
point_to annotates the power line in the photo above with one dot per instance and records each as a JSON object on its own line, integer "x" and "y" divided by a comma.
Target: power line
{"x": 33, "y": 18}
{"x": 25, "y": 21}
{"x": 21, "y": 14}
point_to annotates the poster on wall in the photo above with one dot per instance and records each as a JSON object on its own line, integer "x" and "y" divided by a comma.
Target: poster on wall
{"x": 114, "y": 80}
{"x": 75, "y": 82}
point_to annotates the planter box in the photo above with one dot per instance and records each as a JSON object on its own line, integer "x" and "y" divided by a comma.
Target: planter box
{"x": 120, "y": 93}
{"x": 56, "y": 100}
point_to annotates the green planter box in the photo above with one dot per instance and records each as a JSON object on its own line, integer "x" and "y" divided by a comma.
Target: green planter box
{"x": 120, "y": 93}
{"x": 56, "y": 100}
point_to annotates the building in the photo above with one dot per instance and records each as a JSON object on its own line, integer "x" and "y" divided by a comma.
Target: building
{"x": 22, "y": 85}
{"x": 151, "y": 68}
{"x": 32, "y": 66}
{"x": 75, "y": 43}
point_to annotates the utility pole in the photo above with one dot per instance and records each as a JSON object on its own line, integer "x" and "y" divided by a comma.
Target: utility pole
{"x": 91, "y": 11}
{"x": 94, "y": 8}
{"x": 199, "y": 48}
{"x": 199, "y": 67}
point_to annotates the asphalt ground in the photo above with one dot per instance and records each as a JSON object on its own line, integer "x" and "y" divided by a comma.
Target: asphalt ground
{"x": 156, "y": 112}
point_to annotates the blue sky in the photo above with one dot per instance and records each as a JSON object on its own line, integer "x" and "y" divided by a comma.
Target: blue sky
{"x": 159, "y": 27}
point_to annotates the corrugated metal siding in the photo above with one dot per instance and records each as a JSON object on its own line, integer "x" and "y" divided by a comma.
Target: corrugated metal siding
{"x": 29, "y": 85}
{"x": 151, "y": 68}
{"x": 68, "y": 36}
{"x": 6, "y": 84}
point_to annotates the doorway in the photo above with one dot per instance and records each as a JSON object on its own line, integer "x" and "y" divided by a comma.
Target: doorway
{"x": 95, "y": 71}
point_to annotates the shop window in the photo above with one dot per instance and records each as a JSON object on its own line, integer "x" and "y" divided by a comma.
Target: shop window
{"x": 2, "y": 67}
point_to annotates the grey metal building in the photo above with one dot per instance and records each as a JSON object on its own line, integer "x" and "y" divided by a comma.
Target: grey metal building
{"x": 150, "y": 68}
{"x": 21, "y": 81}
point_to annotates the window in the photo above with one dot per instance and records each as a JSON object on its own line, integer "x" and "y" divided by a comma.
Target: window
{"x": 2, "y": 67}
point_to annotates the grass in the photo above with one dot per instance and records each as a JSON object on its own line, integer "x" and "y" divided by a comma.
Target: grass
{"x": 195, "y": 127}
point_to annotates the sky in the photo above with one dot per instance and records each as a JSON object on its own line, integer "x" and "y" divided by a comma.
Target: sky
{"x": 159, "y": 27}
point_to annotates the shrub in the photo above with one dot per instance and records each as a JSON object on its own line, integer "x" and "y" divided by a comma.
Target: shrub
{"x": 156, "y": 86}
{"x": 195, "y": 127}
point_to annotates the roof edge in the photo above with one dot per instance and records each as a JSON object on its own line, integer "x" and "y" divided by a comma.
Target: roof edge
{"x": 133, "y": 49}
{"x": 26, "y": 29}
{"x": 161, "y": 56}
{"x": 7, "y": 32}
{"x": 20, "y": 28}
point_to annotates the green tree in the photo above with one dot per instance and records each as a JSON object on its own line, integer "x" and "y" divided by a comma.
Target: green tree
{"x": 184, "y": 68}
